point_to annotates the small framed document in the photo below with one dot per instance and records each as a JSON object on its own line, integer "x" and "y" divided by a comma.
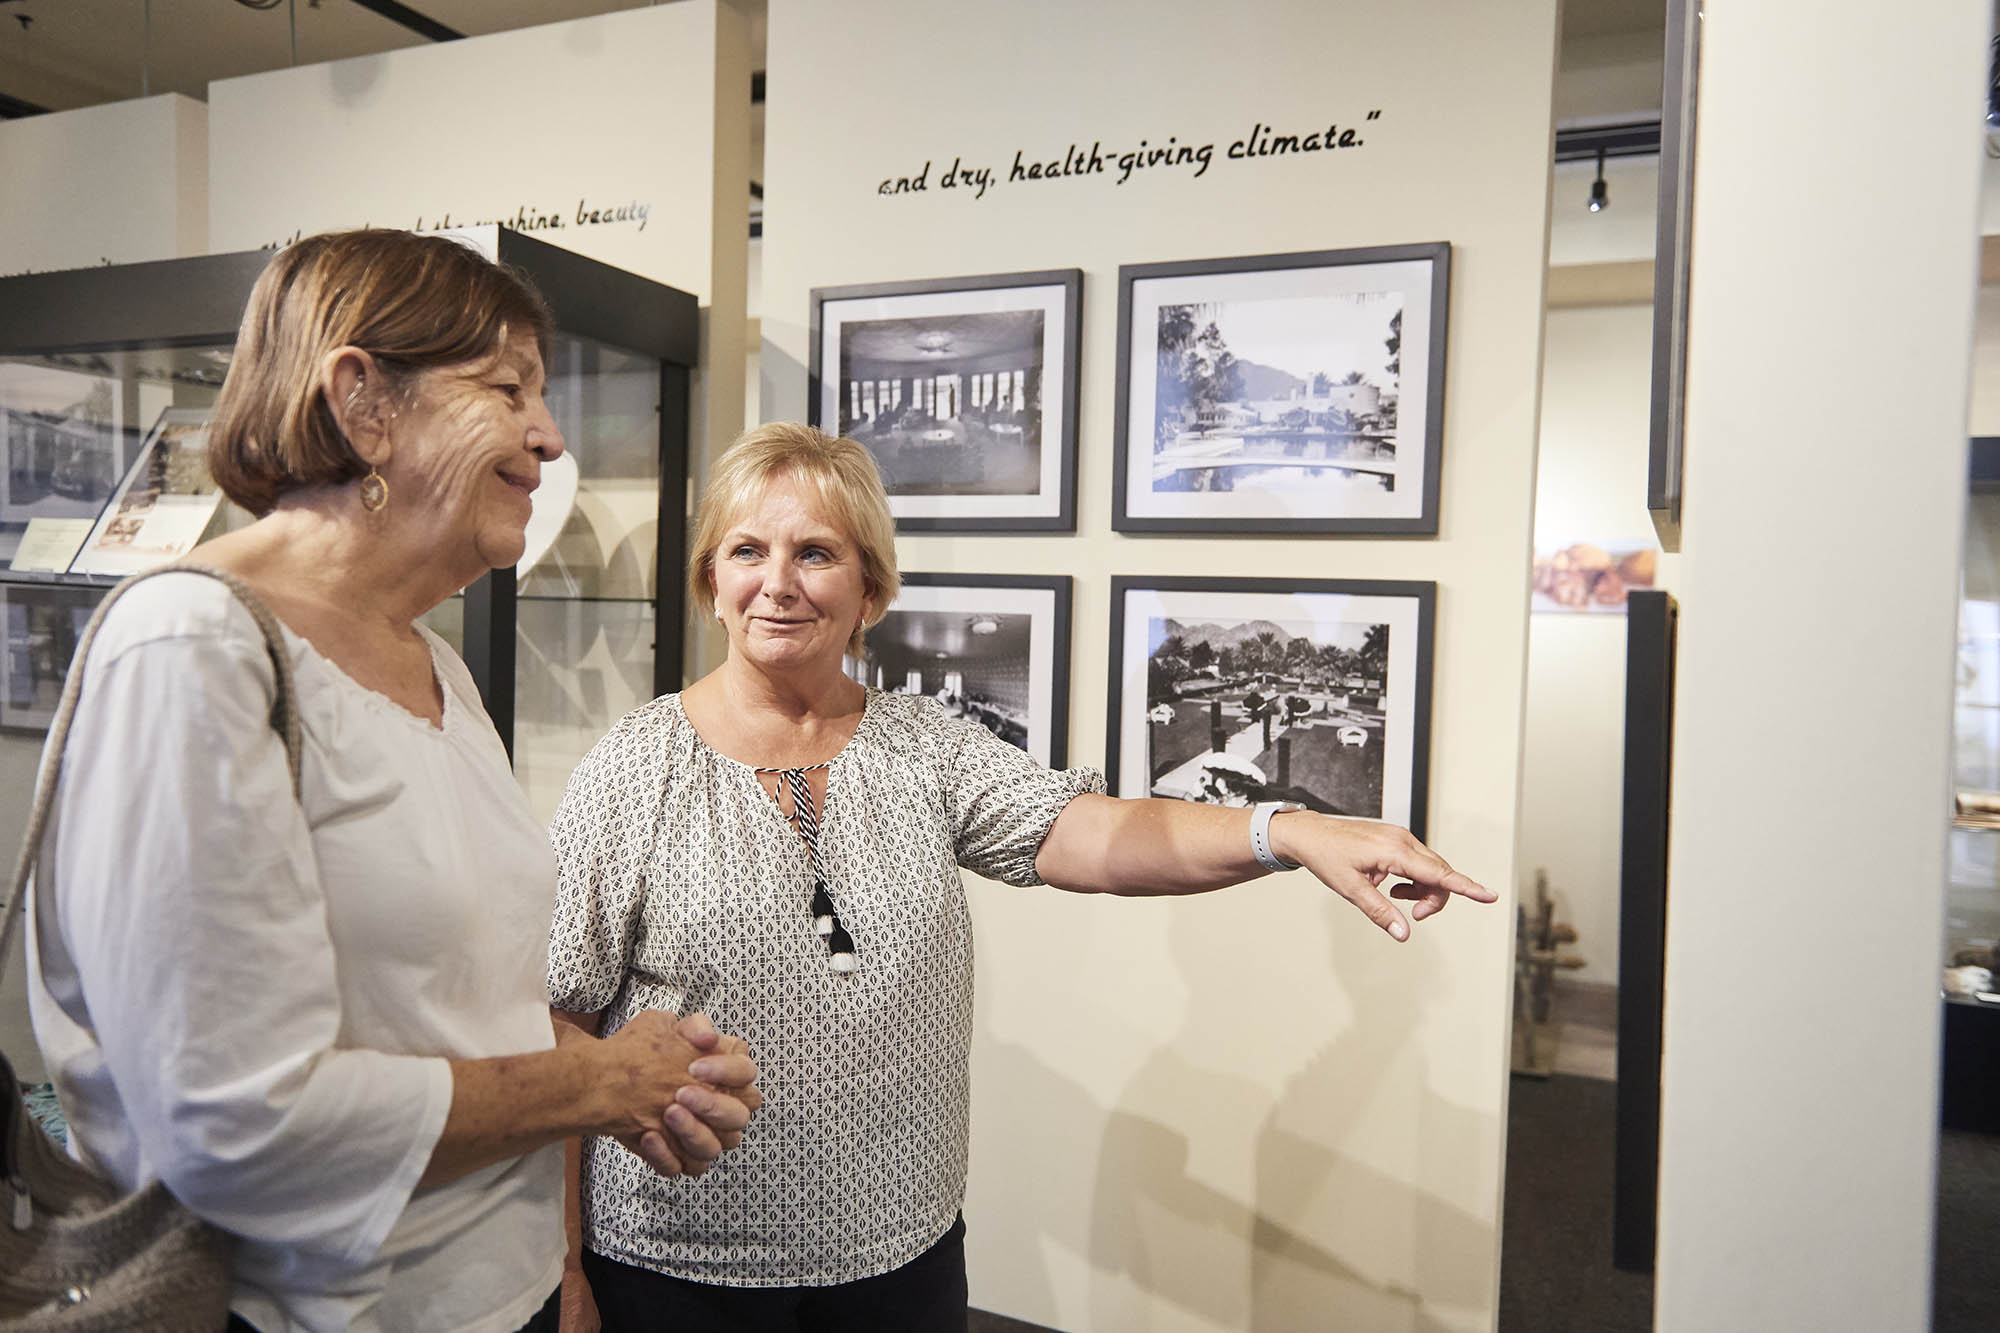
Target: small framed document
{"x": 164, "y": 504}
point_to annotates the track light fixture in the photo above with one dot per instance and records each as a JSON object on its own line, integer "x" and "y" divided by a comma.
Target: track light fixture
{"x": 1600, "y": 197}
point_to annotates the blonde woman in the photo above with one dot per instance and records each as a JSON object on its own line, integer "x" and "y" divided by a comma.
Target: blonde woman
{"x": 781, "y": 847}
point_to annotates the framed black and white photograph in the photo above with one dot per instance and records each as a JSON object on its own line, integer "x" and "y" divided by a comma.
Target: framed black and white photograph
{"x": 1234, "y": 691}
{"x": 43, "y": 623}
{"x": 991, "y": 647}
{"x": 964, "y": 389}
{"x": 1282, "y": 393}
{"x": 64, "y": 444}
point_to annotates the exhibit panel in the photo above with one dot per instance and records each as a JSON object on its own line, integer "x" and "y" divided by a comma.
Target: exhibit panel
{"x": 1271, "y": 1116}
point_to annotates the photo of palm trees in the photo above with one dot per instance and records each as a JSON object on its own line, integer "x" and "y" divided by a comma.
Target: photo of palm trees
{"x": 1282, "y": 393}
{"x": 1287, "y": 394}
{"x": 1234, "y": 691}
{"x": 1240, "y": 711}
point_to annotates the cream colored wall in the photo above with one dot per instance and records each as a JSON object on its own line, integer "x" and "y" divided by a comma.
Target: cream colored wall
{"x": 113, "y": 184}
{"x": 1810, "y": 795}
{"x": 1250, "y": 1110}
{"x": 1590, "y": 486}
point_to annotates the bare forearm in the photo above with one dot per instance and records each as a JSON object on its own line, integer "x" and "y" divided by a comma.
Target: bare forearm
{"x": 1101, "y": 845}
{"x": 1147, "y": 847}
{"x": 504, "y": 1107}
{"x": 655, "y": 1076}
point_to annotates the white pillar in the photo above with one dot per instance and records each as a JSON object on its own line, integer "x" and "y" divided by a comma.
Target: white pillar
{"x": 1835, "y": 246}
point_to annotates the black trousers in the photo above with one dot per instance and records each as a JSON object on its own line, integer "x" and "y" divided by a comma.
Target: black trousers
{"x": 926, "y": 1295}
{"x": 548, "y": 1319}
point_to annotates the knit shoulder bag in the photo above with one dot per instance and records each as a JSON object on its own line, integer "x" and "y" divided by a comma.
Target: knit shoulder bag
{"x": 77, "y": 1254}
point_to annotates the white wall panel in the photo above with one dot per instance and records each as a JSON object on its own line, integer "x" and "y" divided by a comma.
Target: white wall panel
{"x": 1249, "y": 1110}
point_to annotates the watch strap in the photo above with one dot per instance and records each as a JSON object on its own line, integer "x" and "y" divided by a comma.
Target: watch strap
{"x": 1260, "y": 834}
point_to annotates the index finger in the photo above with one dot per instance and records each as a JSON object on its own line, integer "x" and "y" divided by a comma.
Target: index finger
{"x": 1418, "y": 862}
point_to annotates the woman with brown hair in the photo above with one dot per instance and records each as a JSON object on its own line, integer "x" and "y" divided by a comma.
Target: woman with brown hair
{"x": 321, "y": 1019}
{"x": 780, "y": 846}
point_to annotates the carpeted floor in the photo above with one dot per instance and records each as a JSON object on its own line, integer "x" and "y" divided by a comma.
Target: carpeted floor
{"x": 1968, "y": 1233}
{"x": 1555, "y": 1257}
{"x": 1555, "y": 1264}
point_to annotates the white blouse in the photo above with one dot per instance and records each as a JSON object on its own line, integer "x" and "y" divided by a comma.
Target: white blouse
{"x": 253, "y": 997}
{"x": 683, "y": 888}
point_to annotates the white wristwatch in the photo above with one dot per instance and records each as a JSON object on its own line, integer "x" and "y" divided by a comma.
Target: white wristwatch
{"x": 1260, "y": 833}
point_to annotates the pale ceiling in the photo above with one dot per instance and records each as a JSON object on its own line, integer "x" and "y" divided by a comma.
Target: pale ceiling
{"x": 85, "y": 52}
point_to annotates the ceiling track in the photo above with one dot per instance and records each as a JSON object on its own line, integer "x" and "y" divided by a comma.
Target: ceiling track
{"x": 12, "y": 108}
{"x": 421, "y": 24}
{"x": 1631, "y": 138}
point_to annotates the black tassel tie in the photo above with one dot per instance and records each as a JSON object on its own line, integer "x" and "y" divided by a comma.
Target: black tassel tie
{"x": 825, "y": 917}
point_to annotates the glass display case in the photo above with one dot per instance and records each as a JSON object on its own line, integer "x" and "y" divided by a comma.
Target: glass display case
{"x": 98, "y": 366}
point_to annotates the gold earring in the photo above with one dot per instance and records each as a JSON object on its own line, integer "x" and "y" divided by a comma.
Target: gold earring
{"x": 374, "y": 492}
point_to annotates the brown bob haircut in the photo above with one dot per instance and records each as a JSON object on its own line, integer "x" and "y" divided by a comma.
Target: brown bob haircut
{"x": 849, "y": 487}
{"x": 414, "y": 303}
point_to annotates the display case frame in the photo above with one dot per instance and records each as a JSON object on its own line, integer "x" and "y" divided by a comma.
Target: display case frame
{"x": 198, "y": 302}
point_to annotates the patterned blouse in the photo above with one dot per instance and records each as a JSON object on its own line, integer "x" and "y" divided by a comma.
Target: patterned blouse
{"x": 684, "y": 888}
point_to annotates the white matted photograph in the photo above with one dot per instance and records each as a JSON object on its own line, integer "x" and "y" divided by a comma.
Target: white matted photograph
{"x": 1234, "y": 691}
{"x": 992, "y": 648}
{"x": 1282, "y": 393}
{"x": 65, "y": 448}
{"x": 963, "y": 389}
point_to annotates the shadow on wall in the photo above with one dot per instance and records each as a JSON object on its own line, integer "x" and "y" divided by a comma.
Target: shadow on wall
{"x": 1327, "y": 1238}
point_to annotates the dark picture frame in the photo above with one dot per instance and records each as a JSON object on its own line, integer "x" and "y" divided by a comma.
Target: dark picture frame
{"x": 1671, "y": 256}
{"x": 1651, "y": 629}
{"x": 41, "y": 623}
{"x": 1345, "y": 438}
{"x": 1003, "y": 640}
{"x": 964, "y": 389}
{"x": 1238, "y": 713}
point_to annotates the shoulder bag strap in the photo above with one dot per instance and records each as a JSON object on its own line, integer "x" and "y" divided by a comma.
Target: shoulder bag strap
{"x": 284, "y": 718}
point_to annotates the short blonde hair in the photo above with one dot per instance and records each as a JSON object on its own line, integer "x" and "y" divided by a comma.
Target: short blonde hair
{"x": 850, "y": 491}
{"x": 413, "y": 302}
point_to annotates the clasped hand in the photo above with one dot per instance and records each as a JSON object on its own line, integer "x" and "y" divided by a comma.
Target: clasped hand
{"x": 682, "y": 1091}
